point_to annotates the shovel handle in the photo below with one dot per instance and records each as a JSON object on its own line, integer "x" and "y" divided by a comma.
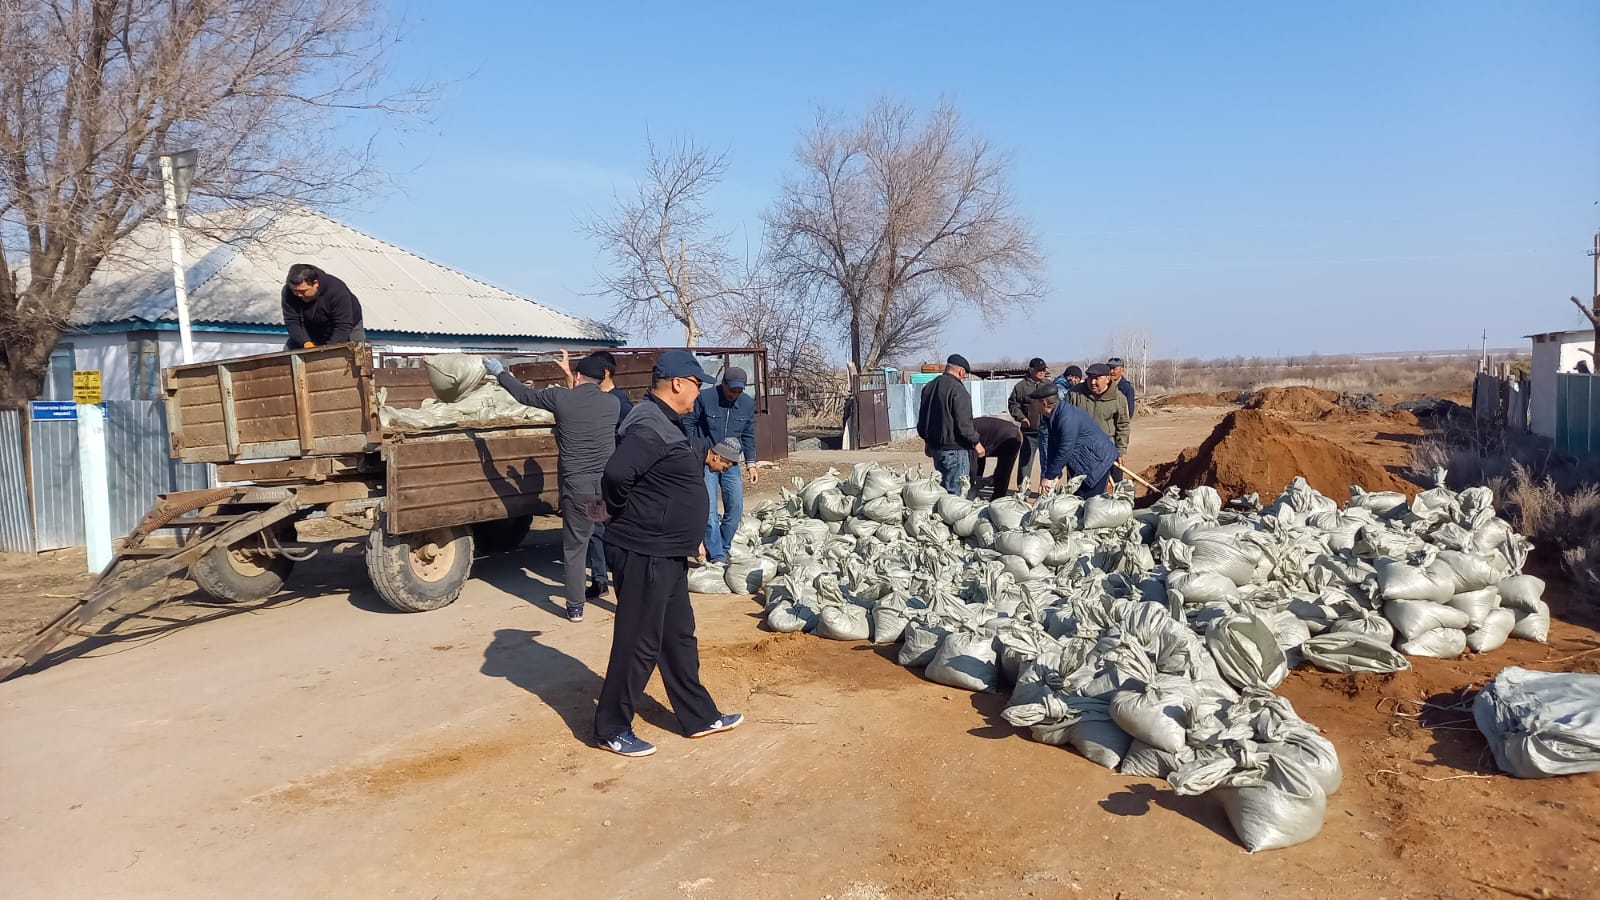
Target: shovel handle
{"x": 1131, "y": 474}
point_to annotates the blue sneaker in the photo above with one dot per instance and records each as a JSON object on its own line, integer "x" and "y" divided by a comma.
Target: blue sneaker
{"x": 575, "y": 615}
{"x": 724, "y": 722}
{"x": 628, "y": 744}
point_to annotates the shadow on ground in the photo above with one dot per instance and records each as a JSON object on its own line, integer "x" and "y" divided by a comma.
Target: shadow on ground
{"x": 563, "y": 682}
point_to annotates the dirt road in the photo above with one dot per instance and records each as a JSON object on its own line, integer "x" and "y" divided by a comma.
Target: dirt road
{"x": 321, "y": 746}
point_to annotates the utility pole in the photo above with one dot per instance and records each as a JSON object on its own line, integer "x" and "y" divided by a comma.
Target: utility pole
{"x": 177, "y": 172}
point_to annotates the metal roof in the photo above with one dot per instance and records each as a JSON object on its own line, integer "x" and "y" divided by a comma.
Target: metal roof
{"x": 237, "y": 261}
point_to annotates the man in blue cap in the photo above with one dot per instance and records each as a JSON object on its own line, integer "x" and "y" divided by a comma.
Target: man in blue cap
{"x": 654, "y": 492}
{"x": 723, "y": 412}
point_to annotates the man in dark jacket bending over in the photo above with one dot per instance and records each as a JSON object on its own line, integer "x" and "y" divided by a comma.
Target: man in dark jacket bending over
{"x": 586, "y": 423}
{"x": 318, "y": 309}
{"x": 655, "y": 493}
{"x": 1073, "y": 443}
{"x": 944, "y": 422}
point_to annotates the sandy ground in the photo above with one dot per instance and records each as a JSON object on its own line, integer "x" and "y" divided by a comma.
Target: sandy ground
{"x": 318, "y": 745}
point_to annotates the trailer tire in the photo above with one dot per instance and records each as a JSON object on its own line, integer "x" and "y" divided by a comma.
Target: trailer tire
{"x": 237, "y": 575}
{"x": 500, "y": 535}
{"x": 421, "y": 571}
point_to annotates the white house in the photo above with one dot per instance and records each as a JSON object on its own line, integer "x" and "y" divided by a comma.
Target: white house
{"x": 1554, "y": 352}
{"x": 126, "y": 325}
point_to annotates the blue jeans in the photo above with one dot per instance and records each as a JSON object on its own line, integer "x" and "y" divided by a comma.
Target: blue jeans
{"x": 720, "y": 529}
{"x": 952, "y": 466}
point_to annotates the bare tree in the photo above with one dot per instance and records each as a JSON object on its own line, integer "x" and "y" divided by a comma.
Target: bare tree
{"x": 668, "y": 262}
{"x": 789, "y": 322}
{"x": 899, "y": 222}
{"x": 92, "y": 90}
{"x": 1132, "y": 343}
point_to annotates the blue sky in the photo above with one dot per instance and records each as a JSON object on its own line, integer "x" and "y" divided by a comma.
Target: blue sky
{"x": 1233, "y": 178}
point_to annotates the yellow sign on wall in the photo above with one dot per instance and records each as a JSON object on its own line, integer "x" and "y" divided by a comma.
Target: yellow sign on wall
{"x": 86, "y": 386}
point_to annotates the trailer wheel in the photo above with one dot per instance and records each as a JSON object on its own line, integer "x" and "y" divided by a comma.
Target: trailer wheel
{"x": 500, "y": 535}
{"x": 420, "y": 571}
{"x": 239, "y": 574}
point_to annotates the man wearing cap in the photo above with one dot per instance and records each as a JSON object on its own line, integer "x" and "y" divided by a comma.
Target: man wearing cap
{"x": 654, "y": 492}
{"x": 1107, "y": 406}
{"x": 599, "y": 579}
{"x": 1119, "y": 377}
{"x": 1028, "y": 413}
{"x": 944, "y": 422}
{"x": 1070, "y": 377}
{"x": 723, "y": 412}
{"x": 1075, "y": 445}
{"x": 586, "y": 423}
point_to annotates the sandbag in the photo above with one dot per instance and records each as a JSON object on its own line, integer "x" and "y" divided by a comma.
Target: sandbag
{"x": 1106, "y": 511}
{"x": 1281, "y": 807}
{"x": 1008, "y": 512}
{"x": 921, "y": 643}
{"x": 833, "y": 506}
{"x": 886, "y": 509}
{"x": 1413, "y": 618}
{"x": 1145, "y": 761}
{"x": 1477, "y": 604}
{"x": 1235, "y": 561}
{"x": 708, "y": 578}
{"x": 1156, "y": 715}
{"x": 1470, "y": 572}
{"x": 1494, "y": 631}
{"x": 1400, "y": 581}
{"x": 1440, "y": 643}
{"x": 1381, "y": 503}
{"x": 1032, "y": 546}
{"x": 888, "y": 623}
{"x": 1202, "y": 587}
{"x": 454, "y": 375}
{"x": 787, "y": 617}
{"x": 1347, "y": 652}
{"x": 1541, "y": 724}
{"x": 965, "y": 660}
{"x": 953, "y": 509}
{"x": 1524, "y": 592}
{"x": 1094, "y": 735}
{"x": 1532, "y": 625}
{"x": 844, "y": 622}
{"x": 747, "y": 575}
{"x": 1246, "y": 651}
{"x": 924, "y": 493}
{"x": 1365, "y": 623}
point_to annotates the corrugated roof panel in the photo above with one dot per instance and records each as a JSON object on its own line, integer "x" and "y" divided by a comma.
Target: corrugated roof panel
{"x": 241, "y": 283}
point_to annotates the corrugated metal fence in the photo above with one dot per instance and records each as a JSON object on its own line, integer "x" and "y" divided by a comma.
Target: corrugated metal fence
{"x": 1578, "y": 414}
{"x": 137, "y": 457}
{"x": 989, "y": 398}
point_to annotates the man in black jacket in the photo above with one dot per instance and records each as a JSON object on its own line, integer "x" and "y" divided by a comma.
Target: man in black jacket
{"x": 1002, "y": 441}
{"x": 944, "y": 422}
{"x": 654, "y": 490}
{"x": 586, "y": 425}
{"x": 318, "y": 309}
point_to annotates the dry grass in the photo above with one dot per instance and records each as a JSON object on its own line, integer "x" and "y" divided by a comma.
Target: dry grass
{"x": 1554, "y": 501}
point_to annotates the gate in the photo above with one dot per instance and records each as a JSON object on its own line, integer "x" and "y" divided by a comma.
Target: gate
{"x": 870, "y": 419}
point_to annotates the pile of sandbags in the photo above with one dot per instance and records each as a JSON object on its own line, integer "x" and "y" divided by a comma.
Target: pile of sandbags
{"x": 1150, "y": 642}
{"x": 464, "y": 394}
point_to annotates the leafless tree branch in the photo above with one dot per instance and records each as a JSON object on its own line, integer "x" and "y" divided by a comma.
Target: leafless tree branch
{"x": 92, "y": 90}
{"x": 900, "y": 222}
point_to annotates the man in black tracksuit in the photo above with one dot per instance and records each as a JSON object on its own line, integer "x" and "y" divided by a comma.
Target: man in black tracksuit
{"x": 655, "y": 493}
{"x": 586, "y": 423}
{"x": 319, "y": 309}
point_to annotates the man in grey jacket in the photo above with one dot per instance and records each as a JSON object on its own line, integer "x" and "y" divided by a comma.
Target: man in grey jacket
{"x": 1106, "y": 405}
{"x": 586, "y": 429}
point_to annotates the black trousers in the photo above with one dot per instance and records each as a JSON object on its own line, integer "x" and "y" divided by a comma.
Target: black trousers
{"x": 654, "y": 626}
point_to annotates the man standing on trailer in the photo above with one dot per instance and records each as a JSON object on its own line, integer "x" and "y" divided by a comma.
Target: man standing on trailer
{"x": 723, "y": 412}
{"x": 655, "y": 493}
{"x": 319, "y": 309}
{"x": 586, "y": 429}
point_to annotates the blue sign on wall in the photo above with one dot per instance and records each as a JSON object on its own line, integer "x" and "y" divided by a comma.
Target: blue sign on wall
{"x": 52, "y": 410}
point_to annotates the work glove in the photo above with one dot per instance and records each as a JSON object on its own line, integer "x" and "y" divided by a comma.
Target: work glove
{"x": 493, "y": 366}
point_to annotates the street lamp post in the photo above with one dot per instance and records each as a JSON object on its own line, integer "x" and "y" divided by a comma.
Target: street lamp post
{"x": 177, "y": 173}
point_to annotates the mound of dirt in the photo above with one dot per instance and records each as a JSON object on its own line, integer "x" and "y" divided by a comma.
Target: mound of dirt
{"x": 1295, "y": 401}
{"x": 1222, "y": 398}
{"x": 1253, "y": 452}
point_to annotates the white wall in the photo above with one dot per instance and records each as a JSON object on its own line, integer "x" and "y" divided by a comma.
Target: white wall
{"x": 1560, "y": 353}
{"x": 109, "y": 354}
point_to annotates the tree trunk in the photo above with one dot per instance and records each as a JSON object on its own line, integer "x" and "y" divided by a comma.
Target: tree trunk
{"x": 27, "y": 359}
{"x": 855, "y": 337}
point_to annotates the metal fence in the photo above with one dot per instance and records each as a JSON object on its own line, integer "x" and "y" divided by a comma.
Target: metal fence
{"x": 989, "y": 398}
{"x": 1578, "y": 414}
{"x": 41, "y": 503}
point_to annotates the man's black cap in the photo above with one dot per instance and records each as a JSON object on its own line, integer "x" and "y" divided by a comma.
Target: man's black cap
{"x": 1073, "y": 371}
{"x": 957, "y": 359}
{"x": 1037, "y": 365}
{"x": 1099, "y": 369}
{"x": 1043, "y": 392}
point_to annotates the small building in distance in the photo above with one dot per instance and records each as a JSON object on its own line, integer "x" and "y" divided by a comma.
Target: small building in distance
{"x": 125, "y": 324}
{"x": 1554, "y": 352}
